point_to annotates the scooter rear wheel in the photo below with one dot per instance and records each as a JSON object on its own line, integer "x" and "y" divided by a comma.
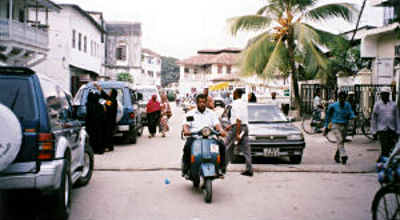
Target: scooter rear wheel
{"x": 208, "y": 191}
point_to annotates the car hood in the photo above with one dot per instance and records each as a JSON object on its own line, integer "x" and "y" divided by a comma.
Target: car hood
{"x": 273, "y": 129}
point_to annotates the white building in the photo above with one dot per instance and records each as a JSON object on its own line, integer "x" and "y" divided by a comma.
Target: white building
{"x": 123, "y": 49}
{"x": 382, "y": 45}
{"x": 24, "y": 38}
{"x": 76, "y": 44}
{"x": 151, "y": 68}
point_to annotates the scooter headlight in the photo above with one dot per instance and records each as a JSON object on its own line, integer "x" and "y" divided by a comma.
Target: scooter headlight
{"x": 206, "y": 132}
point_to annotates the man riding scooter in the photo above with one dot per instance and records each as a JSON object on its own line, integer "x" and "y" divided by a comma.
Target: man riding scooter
{"x": 202, "y": 117}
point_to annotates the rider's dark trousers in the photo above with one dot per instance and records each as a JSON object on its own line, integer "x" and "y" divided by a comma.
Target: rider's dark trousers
{"x": 187, "y": 153}
{"x": 388, "y": 139}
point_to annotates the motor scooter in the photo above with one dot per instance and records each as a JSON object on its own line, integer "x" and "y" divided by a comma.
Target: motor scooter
{"x": 205, "y": 160}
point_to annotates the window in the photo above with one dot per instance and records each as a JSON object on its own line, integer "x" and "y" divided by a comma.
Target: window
{"x": 85, "y": 44}
{"x": 150, "y": 60}
{"x": 150, "y": 73}
{"x": 186, "y": 70}
{"x": 228, "y": 69}
{"x": 121, "y": 52}
{"x": 18, "y": 97}
{"x": 219, "y": 68}
{"x": 73, "y": 38}
{"x": 79, "y": 41}
{"x": 388, "y": 15}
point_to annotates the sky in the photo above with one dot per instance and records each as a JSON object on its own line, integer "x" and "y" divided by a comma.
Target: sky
{"x": 179, "y": 28}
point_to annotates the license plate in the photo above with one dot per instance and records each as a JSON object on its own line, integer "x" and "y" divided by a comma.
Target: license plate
{"x": 214, "y": 148}
{"x": 271, "y": 152}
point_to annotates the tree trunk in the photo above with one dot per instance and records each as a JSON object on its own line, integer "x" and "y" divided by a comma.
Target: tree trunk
{"x": 295, "y": 73}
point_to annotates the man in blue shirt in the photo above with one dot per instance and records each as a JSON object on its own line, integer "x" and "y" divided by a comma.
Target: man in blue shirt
{"x": 339, "y": 114}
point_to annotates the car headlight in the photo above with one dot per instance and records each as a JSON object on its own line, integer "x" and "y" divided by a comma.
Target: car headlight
{"x": 252, "y": 138}
{"x": 295, "y": 137}
{"x": 206, "y": 132}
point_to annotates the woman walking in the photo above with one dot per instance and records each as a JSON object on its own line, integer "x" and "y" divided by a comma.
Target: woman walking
{"x": 153, "y": 115}
{"x": 95, "y": 118}
{"x": 165, "y": 114}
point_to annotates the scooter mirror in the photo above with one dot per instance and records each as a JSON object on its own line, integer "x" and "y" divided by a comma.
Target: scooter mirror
{"x": 189, "y": 118}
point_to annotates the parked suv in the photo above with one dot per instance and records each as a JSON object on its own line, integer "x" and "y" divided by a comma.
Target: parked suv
{"x": 42, "y": 145}
{"x": 147, "y": 92}
{"x": 129, "y": 122}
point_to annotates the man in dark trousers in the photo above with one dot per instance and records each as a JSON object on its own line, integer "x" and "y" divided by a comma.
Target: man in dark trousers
{"x": 385, "y": 122}
{"x": 239, "y": 121}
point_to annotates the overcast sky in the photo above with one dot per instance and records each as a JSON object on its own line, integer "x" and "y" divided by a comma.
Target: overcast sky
{"x": 179, "y": 28}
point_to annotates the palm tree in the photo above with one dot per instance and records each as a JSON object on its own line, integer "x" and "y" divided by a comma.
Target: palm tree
{"x": 287, "y": 41}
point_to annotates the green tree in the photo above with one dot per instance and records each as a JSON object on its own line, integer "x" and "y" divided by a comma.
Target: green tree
{"x": 169, "y": 70}
{"x": 125, "y": 77}
{"x": 287, "y": 42}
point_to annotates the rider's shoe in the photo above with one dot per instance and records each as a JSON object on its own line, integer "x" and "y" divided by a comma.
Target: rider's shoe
{"x": 337, "y": 157}
{"x": 344, "y": 159}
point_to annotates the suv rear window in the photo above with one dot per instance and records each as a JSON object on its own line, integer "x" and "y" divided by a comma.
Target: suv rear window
{"x": 16, "y": 94}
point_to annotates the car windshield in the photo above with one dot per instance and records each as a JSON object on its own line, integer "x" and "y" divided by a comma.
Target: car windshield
{"x": 265, "y": 114}
{"x": 120, "y": 96}
{"x": 16, "y": 94}
{"x": 147, "y": 93}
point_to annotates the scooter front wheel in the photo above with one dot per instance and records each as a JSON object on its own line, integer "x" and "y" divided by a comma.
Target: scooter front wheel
{"x": 208, "y": 191}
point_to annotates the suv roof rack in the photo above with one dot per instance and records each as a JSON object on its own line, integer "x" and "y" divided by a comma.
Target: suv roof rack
{"x": 16, "y": 70}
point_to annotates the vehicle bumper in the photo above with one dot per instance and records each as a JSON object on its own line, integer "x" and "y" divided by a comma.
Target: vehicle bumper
{"x": 48, "y": 178}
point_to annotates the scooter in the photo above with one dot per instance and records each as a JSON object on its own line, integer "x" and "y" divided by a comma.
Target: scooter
{"x": 205, "y": 160}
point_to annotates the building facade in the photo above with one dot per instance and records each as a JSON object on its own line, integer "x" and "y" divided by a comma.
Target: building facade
{"x": 123, "y": 49}
{"x": 382, "y": 45}
{"x": 76, "y": 43}
{"x": 151, "y": 68}
{"x": 24, "y": 38}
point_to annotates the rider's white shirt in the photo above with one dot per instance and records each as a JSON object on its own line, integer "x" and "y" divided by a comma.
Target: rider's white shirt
{"x": 239, "y": 111}
{"x": 206, "y": 119}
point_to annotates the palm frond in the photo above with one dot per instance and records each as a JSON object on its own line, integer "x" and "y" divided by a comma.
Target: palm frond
{"x": 301, "y": 5}
{"x": 248, "y": 23}
{"x": 326, "y": 38}
{"x": 345, "y": 11}
{"x": 277, "y": 60}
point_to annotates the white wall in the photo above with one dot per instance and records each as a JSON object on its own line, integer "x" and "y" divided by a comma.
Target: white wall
{"x": 386, "y": 45}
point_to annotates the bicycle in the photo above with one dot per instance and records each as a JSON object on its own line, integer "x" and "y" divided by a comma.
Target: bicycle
{"x": 312, "y": 124}
{"x": 386, "y": 202}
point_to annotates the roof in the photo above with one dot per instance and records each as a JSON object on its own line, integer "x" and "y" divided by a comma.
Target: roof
{"x": 124, "y": 27}
{"x": 43, "y": 3}
{"x": 367, "y": 27}
{"x": 382, "y": 30}
{"x": 228, "y": 56}
{"x": 150, "y": 52}
{"x": 85, "y": 14}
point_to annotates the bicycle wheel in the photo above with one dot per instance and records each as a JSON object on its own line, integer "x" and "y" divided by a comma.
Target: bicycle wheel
{"x": 386, "y": 204}
{"x": 365, "y": 128}
{"x": 306, "y": 124}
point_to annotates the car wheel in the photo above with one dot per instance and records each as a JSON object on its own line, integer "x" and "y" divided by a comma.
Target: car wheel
{"x": 63, "y": 194}
{"x": 131, "y": 136}
{"x": 295, "y": 159}
{"x": 88, "y": 165}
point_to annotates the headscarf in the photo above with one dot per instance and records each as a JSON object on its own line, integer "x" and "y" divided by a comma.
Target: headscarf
{"x": 153, "y": 105}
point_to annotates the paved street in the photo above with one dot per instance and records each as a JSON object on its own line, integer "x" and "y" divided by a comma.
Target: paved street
{"x": 129, "y": 183}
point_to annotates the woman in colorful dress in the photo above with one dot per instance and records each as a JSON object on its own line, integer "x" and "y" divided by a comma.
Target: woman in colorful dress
{"x": 165, "y": 115}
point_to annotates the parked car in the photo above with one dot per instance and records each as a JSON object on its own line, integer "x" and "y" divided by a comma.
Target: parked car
{"x": 219, "y": 101}
{"x": 147, "y": 92}
{"x": 129, "y": 121}
{"x": 272, "y": 134}
{"x": 43, "y": 146}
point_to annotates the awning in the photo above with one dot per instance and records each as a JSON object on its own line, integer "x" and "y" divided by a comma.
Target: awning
{"x": 43, "y": 3}
{"x": 219, "y": 86}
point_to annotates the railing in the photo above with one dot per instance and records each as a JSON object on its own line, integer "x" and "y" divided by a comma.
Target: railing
{"x": 23, "y": 33}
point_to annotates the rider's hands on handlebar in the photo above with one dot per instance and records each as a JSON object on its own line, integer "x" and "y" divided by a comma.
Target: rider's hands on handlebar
{"x": 222, "y": 133}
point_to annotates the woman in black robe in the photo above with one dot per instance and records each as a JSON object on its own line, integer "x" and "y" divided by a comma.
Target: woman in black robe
{"x": 95, "y": 122}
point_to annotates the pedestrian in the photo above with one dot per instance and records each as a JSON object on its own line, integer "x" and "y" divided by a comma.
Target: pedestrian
{"x": 239, "y": 121}
{"x": 165, "y": 115}
{"x": 153, "y": 115}
{"x": 210, "y": 101}
{"x": 252, "y": 98}
{"x": 111, "y": 107}
{"x": 95, "y": 117}
{"x": 274, "y": 101}
{"x": 317, "y": 109}
{"x": 339, "y": 113}
{"x": 385, "y": 122}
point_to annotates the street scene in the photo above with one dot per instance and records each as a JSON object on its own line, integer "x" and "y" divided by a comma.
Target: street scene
{"x": 179, "y": 109}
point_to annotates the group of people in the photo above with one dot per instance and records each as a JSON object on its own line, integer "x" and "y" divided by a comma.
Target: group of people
{"x": 101, "y": 119}
{"x": 385, "y": 121}
{"x": 205, "y": 116}
{"x": 157, "y": 115}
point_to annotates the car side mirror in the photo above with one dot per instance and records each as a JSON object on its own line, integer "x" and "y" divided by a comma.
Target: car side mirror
{"x": 189, "y": 118}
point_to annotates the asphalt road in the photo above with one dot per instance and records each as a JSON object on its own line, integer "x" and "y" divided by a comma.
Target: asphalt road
{"x": 130, "y": 183}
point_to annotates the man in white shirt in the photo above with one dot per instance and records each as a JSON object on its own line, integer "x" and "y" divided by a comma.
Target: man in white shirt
{"x": 202, "y": 117}
{"x": 239, "y": 120}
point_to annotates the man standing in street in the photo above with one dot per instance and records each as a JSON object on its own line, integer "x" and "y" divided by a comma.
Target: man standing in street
{"x": 385, "y": 122}
{"x": 339, "y": 113}
{"x": 317, "y": 108}
{"x": 239, "y": 120}
{"x": 210, "y": 101}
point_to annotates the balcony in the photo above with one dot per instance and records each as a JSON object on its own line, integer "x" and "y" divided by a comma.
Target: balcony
{"x": 23, "y": 34}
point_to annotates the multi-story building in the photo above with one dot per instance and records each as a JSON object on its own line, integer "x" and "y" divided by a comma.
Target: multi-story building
{"x": 123, "y": 49}
{"x": 151, "y": 68}
{"x": 382, "y": 45}
{"x": 76, "y": 43}
{"x": 24, "y": 38}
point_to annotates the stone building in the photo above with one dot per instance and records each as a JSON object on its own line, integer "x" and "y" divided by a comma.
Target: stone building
{"x": 123, "y": 49}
